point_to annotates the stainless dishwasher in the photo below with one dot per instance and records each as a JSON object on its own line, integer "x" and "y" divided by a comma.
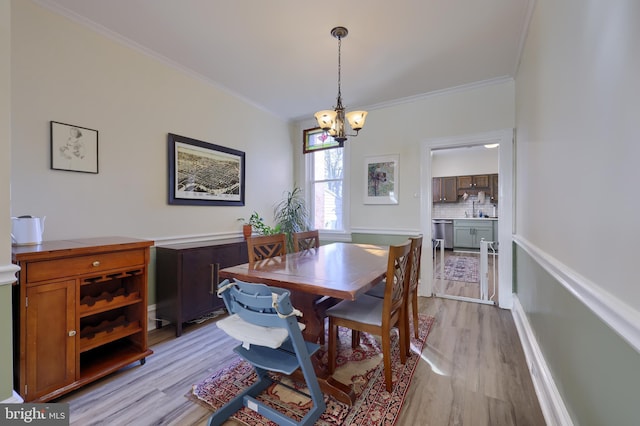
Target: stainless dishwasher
{"x": 443, "y": 229}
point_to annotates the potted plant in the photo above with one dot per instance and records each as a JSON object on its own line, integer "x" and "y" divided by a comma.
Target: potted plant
{"x": 257, "y": 223}
{"x": 247, "y": 229}
{"x": 291, "y": 215}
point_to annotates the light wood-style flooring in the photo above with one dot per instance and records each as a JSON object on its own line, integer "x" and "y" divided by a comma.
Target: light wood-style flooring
{"x": 461, "y": 288}
{"x": 473, "y": 372}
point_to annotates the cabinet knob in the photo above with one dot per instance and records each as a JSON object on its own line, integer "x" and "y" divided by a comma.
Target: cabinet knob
{"x": 72, "y": 333}
{"x": 96, "y": 263}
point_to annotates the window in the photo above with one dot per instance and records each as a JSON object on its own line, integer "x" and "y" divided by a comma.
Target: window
{"x": 325, "y": 171}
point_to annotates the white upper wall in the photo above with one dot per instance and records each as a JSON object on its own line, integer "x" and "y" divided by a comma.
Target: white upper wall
{"x": 401, "y": 129}
{"x": 63, "y": 71}
{"x": 5, "y": 131}
{"x": 475, "y": 160}
{"x": 578, "y": 109}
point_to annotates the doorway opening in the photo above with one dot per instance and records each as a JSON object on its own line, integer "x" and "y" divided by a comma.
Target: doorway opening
{"x": 445, "y": 272}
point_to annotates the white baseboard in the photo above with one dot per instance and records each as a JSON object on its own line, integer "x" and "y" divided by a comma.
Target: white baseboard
{"x": 13, "y": 399}
{"x": 551, "y": 403}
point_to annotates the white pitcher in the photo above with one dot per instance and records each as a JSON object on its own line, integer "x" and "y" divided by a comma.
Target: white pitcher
{"x": 27, "y": 230}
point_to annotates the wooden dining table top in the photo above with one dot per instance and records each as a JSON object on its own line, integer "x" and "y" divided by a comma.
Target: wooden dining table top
{"x": 341, "y": 270}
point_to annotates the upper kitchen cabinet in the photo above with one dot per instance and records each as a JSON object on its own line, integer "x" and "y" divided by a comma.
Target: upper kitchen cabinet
{"x": 493, "y": 190}
{"x": 475, "y": 182}
{"x": 444, "y": 189}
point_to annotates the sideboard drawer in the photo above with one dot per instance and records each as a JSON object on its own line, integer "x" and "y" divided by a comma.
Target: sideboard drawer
{"x": 81, "y": 265}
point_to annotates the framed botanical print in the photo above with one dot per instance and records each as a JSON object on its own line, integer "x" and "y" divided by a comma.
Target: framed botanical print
{"x": 381, "y": 181}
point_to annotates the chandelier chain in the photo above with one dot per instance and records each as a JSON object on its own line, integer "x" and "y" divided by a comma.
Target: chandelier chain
{"x": 339, "y": 65}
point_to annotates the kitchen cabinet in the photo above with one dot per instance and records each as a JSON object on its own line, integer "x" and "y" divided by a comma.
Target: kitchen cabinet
{"x": 495, "y": 235}
{"x": 469, "y": 233}
{"x": 473, "y": 183}
{"x": 445, "y": 189}
{"x": 79, "y": 313}
{"x": 493, "y": 189}
{"x": 187, "y": 278}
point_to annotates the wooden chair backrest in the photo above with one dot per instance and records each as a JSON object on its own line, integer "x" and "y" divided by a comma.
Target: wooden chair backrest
{"x": 397, "y": 287}
{"x": 416, "y": 255}
{"x": 306, "y": 240}
{"x": 266, "y": 246}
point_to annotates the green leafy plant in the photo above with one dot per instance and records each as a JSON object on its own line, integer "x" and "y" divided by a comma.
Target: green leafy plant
{"x": 291, "y": 215}
{"x": 257, "y": 223}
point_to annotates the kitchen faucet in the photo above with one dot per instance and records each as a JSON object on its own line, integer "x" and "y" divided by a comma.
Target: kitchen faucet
{"x": 473, "y": 209}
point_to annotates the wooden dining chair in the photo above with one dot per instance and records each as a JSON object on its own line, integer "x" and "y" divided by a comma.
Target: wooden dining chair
{"x": 306, "y": 240}
{"x": 412, "y": 293}
{"x": 414, "y": 277}
{"x": 266, "y": 246}
{"x": 377, "y": 316}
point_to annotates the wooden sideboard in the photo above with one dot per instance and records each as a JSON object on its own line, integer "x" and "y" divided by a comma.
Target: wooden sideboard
{"x": 187, "y": 278}
{"x": 79, "y": 312}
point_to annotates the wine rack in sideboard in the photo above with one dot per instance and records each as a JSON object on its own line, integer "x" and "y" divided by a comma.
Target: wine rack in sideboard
{"x": 80, "y": 313}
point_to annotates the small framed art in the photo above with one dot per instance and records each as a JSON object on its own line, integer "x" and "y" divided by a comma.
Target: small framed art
{"x": 201, "y": 173}
{"x": 381, "y": 182}
{"x": 74, "y": 148}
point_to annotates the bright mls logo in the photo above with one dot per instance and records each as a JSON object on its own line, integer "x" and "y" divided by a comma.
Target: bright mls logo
{"x": 34, "y": 414}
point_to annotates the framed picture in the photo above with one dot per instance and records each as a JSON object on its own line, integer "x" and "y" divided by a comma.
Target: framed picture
{"x": 316, "y": 140}
{"x": 201, "y": 173}
{"x": 381, "y": 183}
{"x": 74, "y": 148}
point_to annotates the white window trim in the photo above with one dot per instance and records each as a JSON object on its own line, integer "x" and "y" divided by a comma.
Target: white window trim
{"x": 333, "y": 235}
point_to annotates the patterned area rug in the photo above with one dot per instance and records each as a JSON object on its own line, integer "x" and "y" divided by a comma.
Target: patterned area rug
{"x": 460, "y": 268}
{"x": 362, "y": 367}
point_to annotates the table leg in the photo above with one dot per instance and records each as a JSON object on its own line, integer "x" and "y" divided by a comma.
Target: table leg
{"x": 313, "y": 318}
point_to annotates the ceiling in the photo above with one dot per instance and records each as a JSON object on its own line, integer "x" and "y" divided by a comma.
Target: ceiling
{"x": 279, "y": 55}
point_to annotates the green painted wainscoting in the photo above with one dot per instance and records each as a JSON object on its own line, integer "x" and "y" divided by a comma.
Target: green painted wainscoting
{"x": 380, "y": 239}
{"x": 6, "y": 343}
{"x": 596, "y": 372}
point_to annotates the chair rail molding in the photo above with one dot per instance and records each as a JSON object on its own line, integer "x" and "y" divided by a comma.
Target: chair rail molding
{"x": 8, "y": 274}
{"x": 621, "y": 317}
{"x": 179, "y": 239}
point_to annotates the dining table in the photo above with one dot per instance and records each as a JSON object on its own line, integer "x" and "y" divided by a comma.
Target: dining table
{"x": 317, "y": 278}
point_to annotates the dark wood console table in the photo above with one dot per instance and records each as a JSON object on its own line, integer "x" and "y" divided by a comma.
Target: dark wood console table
{"x": 187, "y": 278}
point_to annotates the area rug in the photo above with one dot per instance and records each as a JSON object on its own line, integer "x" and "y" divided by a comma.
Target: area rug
{"x": 362, "y": 367}
{"x": 460, "y": 268}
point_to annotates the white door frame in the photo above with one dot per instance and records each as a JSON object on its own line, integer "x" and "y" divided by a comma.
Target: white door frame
{"x": 505, "y": 206}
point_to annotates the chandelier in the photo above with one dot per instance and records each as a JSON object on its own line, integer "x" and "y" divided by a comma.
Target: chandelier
{"x": 332, "y": 121}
